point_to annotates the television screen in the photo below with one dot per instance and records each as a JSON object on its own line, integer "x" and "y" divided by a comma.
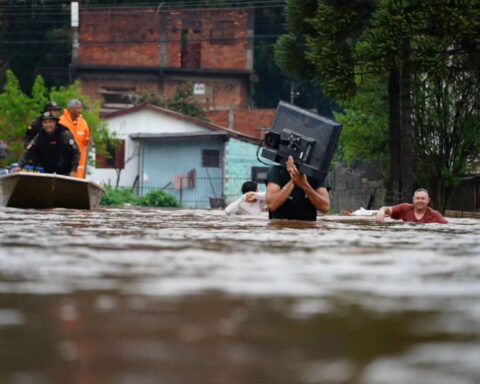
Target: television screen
{"x": 309, "y": 138}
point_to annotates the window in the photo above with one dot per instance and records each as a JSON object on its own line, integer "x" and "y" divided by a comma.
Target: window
{"x": 115, "y": 156}
{"x": 211, "y": 158}
{"x": 259, "y": 174}
{"x": 191, "y": 50}
{"x": 116, "y": 98}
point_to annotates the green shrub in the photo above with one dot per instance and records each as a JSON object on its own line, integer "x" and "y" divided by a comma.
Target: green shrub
{"x": 159, "y": 198}
{"x": 119, "y": 197}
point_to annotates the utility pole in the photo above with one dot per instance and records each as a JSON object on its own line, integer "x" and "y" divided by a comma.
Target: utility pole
{"x": 74, "y": 24}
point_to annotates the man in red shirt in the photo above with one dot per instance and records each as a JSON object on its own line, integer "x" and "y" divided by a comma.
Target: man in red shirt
{"x": 418, "y": 212}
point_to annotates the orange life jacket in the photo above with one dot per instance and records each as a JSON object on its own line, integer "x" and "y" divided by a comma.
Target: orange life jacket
{"x": 81, "y": 133}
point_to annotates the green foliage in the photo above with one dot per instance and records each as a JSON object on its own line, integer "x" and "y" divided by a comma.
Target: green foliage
{"x": 120, "y": 196}
{"x": 16, "y": 111}
{"x": 364, "y": 133}
{"x": 184, "y": 102}
{"x": 27, "y": 39}
{"x": 321, "y": 42}
{"x": 39, "y": 94}
{"x": 149, "y": 98}
{"x": 289, "y": 55}
{"x": 447, "y": 132}
{"x": 159, "y": 198}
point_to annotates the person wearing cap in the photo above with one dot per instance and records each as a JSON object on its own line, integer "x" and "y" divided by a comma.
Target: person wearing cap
{"x": 53, "y": 148}
{"x": 36, "y": 125}
{"x": 73, "y": 120}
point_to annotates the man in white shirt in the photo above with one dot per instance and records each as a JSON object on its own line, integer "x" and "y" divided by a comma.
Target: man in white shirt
{"x": 251, "y": 203}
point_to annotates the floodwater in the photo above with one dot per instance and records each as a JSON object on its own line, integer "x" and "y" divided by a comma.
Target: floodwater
{"x": 147, "y": 296}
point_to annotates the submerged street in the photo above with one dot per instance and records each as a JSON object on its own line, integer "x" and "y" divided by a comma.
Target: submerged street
{"x": 188, "y": 296}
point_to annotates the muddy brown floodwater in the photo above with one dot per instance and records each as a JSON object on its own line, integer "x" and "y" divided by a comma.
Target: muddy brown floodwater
{"x": 143, "y": 296}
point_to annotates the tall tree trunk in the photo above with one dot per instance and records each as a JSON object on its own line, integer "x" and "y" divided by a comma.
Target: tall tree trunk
{"x": 394, "y": 138}
{"x": 406, "y": 168}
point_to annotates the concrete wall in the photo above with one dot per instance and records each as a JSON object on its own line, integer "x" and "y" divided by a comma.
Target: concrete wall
{"x": 354, "y": 187}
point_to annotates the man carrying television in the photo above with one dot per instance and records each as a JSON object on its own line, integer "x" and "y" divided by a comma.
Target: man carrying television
{"x": 292, "y": 195}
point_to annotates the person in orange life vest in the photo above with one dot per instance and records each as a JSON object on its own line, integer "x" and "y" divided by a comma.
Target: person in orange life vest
{"x": 73, "y": 120}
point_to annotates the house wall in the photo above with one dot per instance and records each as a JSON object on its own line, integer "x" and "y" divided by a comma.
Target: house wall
{"x": 240, "y": 157}
{"x": 142, "y": 121}
{"x": 163, "y": 160}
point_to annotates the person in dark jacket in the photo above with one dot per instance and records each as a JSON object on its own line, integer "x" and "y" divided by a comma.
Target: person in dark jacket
{"x": 54, "y": 149}
{"x": 36, "y": 125}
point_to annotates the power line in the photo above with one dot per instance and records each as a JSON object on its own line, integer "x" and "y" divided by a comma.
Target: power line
{"x": 176, "y": 4}
{"x": 168, "y": 7}
{"x": 123, "y": 41}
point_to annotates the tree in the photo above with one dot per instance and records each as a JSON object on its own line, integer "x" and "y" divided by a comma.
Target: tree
{"x": 339, "y": 42}
{"x": 447, "y": 131}
{"x": 364, "y": 134}
{"x": 16, "y": 111}
{"x": 34, "y": 34}
{"x": 428, "y": 49}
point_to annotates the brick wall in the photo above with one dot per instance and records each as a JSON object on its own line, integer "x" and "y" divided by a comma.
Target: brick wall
{"x": 220, "y": 94}
{"x": 225, "y": 34}
{"x": 247, "y": 121}
{"x": 218, "y": 118}
{"x": 92, "y": 85}
{"x": 215, "y": 39}
{"x": 119, "y": 37}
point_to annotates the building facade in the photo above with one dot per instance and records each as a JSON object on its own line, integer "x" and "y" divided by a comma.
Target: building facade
{"x": 190, "y": 158}
{"x": 124, "y": 52}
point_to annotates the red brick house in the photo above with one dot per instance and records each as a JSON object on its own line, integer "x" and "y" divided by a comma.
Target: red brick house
{"x": 125, "y": 51}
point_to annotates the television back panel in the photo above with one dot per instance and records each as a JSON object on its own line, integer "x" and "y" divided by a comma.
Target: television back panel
{"x": 290, "y": 118}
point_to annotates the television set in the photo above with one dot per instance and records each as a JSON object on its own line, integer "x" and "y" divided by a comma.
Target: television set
{"x": 309, "y": 138}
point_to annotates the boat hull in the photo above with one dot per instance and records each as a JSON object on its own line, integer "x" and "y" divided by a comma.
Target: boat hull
{"x": 42, "y": 190}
